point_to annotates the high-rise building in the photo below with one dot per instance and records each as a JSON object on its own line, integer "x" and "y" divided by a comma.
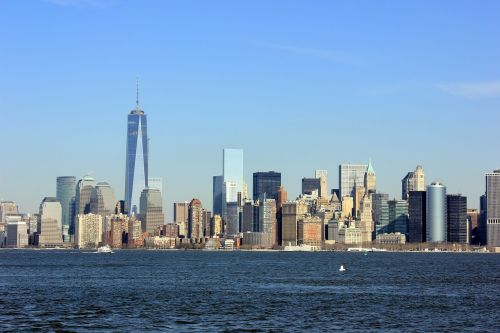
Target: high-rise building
{"x": 370, "y": 179}
{"x": 102, "y": 200}
{"x": 88, "y": 230}
{"x": 17, "y": 234}
{"x": 473, "y": 217}
{"x": 266, "y": 182}
{"x": 347, "y": 206}
{"x": 482, "y": 220}
{"x": 207, "y": 217}
{"x": 413, "y": 181}
{"x": 50, "y": 223}
{"x": 217, "y": 227}
{"x": 417, "y": 223}
{"x": 436, "y": 213}
{"x": 151, "y": 209}
{"x": 457, "y": 227}
{"x": 7, "y": 208}
{"x": 322, "y": 175}
{"x": 136, "y": 168}
{"x": 247, "y": 216}
{"x": 310, "y": 231}
{"x": 65, "y": 194}
{"x": 380, "y": 212}
{"x": 398, "y": 216}
{"x": 83, "y": 193}
{"x": 195, "y": 220}
{"x": 292, "y": 212}
{"x": 232, "y": 171}
{"x": 181, "y": 216}
{"x": 156, "y": 183}
{"x": 282, "y": 197}
{"x": 267, "y": 215}
{"x": 366, "y": 219}
{"x": 309, "y": 185}
{"x": 493, "y": 208}
{"x": 232, "y": 219}
{"x": 350, "y": 177}
{"x": 218, "y": 183}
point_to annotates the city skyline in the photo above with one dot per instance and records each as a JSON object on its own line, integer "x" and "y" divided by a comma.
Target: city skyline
{"x": 433, "y": 102}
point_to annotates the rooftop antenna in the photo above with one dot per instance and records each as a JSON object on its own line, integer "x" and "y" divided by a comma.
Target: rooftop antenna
{"x": 137, "y": 94}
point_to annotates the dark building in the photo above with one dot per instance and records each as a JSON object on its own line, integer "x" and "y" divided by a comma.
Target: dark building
{"x": 482, "y": 220}
{"x": 218, "y": 183}
{"x": 417, "y": 217}
{"x": 310, "y": 184}
{"x": 457, "y": 226}
{"x": 266, "y": 182}
{"x": 398, "y": 216}
{"x": 247, "y": 217}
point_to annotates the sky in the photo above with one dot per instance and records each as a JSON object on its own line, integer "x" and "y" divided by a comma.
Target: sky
{"x": 299, "y": 85}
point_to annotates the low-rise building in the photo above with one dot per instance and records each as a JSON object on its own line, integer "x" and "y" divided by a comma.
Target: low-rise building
{"x": 392, "y": 238}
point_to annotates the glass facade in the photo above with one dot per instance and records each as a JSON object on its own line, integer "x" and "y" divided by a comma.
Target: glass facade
{"x": 266, "y": 182}
{"x": 436, "y": 213}
{"x": 350, "y": 177}
{"x": 65, "y": 194}
{"x": 380, "y": 212}
{"x": 417, "y": 219}
{"x": 218, "y": 182}
{"x": 398, "y": 216}
{"x": 457, "y": 226}
{"x": 311, "y": 184}
{"x": 136, "y": 170}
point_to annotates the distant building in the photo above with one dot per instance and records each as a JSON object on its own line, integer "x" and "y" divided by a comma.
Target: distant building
{"x": 181, "y": 216}
{"x": 195, "y": 220}
{"x": 282, "y": 197}
{"x": 232, "y": 222}
{"x": 217, "y": 226}
{"x": 65, "y": 194}
{"x": 156, "y": 183}
{"x": 7, "y": 208}
{"x": 370, "y": 179}
{"x": 392, "y": 238}
{"x": 247, "y": 217}
{"x": 482, "y": 227}
{"x": 417, "y": 223}
{"x": 398, "y": 216}
{"x": 347, "y": 206}
{"x": 436, "y": 213}
{"x": 473, "y": 217}
{"x": 493, "y": 208}
{"x": 322, "y": 175}
{"x": 84, "y": 189}
{"x": 102, "y": 200}
{"x": 380, "y": 212}
{"x": 232, "y": 172}
{"x": 310, "y": 231}
{"x": 50, "y": 223}
{"x": 457, "y": 223}
{"x": 17, "y": 234}
{"x": 413, "y": 181}
{"x": 115, "y": 230}
{"x": 350, "y": 177}
{"x": 218, "y": 183}
{"x": 366, "y": 220}
{"x": 151, "y": 208}
{"x": 207, "y": 217}
{"x": 266, "y": 182}
{"x": 88, "y": 230}
{"x": 292, "y": 212}
{"x": 309, "y": 185}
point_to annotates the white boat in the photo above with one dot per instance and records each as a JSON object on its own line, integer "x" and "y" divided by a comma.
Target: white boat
{"x": 342, "y": 268}
{"x": 302, "y": 248}
{"x": 104, "y": 249}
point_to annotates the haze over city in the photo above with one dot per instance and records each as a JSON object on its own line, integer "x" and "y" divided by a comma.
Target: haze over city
{"x": 297, "y": 87}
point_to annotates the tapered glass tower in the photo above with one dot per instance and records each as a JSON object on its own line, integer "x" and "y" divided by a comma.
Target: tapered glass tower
{"x": 136, "y": 169}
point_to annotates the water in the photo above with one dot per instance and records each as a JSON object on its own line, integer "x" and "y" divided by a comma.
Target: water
{"x": 188, "y": 291}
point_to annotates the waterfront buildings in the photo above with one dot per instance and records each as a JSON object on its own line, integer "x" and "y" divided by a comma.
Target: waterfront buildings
{"x": 380, "y": 212}
{"x": 137, "y": 156}
{"x": 232, "y": 172}
{"x": 102, "y": 200}
{"x": 88, "y": 230}
{"x": 292, "y": 212}
{"x": 493, "y": 208}
{"x": 436, "y": 213}
{"x": 417, "y": 221}
{"x": 151, "y": 209}
{"x": 457, "y": 227}
{"x": 195, "y": 220}
{"x": 218, "y": 183}
{"x": 392, "y": 238}
{"x": 370, "y": 179}
{"x": 65, "y": 194}
{"x": 17, "y": 234}
{"x": 398, "y": 216}
{"x": 310, "y": 231}
{"x": 181, "y": 214}
{"x": 322, "y": 175}
{"x": 7, "y": 208}
{"x": 247, "y": 220}
{"x": 350, "y": 177}
{"x": 473, "y": 217}
{"x": 83, "y": 193}
{"x": 311, "y": 185}
{"x": 266, "y": 182}
{"x": 366, "y": 221}
{"x": 216, "y": 226}
{"x": 413, "y": 181}
{"x": 50, "y": 223}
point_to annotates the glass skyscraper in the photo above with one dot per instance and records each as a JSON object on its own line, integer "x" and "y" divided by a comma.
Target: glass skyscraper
{"x": 232, "y": 167}
{"x": 136, "y": 169}
{"x": 232, "y": 173}
{"x": 266, "y": 182}
{"x": 65, "y": 194}
{"x": 350, "y": 177}
{"x": 218, "y": 183}
{"x": 436, "y": 213}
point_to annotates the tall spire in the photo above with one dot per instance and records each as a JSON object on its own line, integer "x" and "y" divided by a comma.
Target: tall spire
{"x": 137, "y": 95}
{"x": 370, "y": 167}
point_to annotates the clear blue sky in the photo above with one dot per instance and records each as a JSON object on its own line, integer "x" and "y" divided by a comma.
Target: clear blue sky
{"x": 299, "y": 85}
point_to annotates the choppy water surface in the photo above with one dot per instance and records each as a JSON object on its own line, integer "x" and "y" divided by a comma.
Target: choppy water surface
{"x": 248, "y": 291}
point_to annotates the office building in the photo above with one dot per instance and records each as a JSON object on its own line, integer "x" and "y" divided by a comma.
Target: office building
{"x": 436, "y": 213}
{"x": 493, "y": 208}
{"x": 413, "y": 181}
{"x": 266, "y": 182}
{"x": 232, "y": 221}
{"x": 457, "y": 227}
{"x": 370, "y": 179}
{"x": 380, "y": 212}
{"x": 473, "y": 217}
{"x": 207, "y": 217}
{"x": 217, "y": 226}
{"x": 156, "y": 183}
{"x": 365, "y": 223}
{"x": 281, "y": 198}
{"x": 195, "y": 220}
{"x": 292, "y": 212}
{"x": 218, "y": 183}
{"x": 267, "y": 215}
{"x": 247, "y": 216}
{"x": 137, "y": 158}
{"x": 7, "y": 208}
{"x": 311, "y": 185}
{"x": 310, "y": 231}
{"x": 65, "y": 194}
{"x": 347, "y": 206}
{"x": 232, "y": 173}
{"x": 350, "y": 177}
{"x": 17, "y": 234}
{"x": 322, "y": 175}
{"x": 83, "y": 193}
{"x": 50, "y": 223}
{"x": 102, "y": 200}
{"x": 151, "y": 209}
{"x": 181, "y": 216}
{"x": 88, "y": 230}
{"x": 417, "y": 222}
{"x": 398, "y": 216}
{"x": 482, "y": 220}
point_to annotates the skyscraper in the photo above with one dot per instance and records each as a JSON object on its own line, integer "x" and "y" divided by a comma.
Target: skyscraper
{"x": 398, "y": 216}
{"x": 181, "y": 214}
{"x": 65, "y": 194}
{"x": 266, "y": 182}
{"x": 151, "y": 208}
{"x": 457, "y": 226}
{"x": 136, "y": 168}
{"x": 493, "y": 208}
{"x": 380, "y": 210}
{"x": 436, "y": 213}
{"x": 157, "y": 183}
{"x": 88, "y": 230}
{"x": 350, "y": 177}
{"x": 232, "y": 172}
{"x": 7, "y": 208}
{"x": 311, "y": 184}
{"x": 370, "y": 179}
{"x": 102, "y": 200}
{"x": 323, "y": 176}
{"x": 195, "y": 224}
{"x": 50, "y": 223}
{"x": 413, "y": 181}
{"x": 417, "y": 224}
{"x": 218, "y": 183}
{"x": 84, "y": 189}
